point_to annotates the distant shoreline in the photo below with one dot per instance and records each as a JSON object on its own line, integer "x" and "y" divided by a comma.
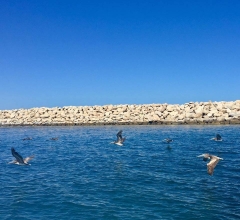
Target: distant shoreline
{"x": 192, "y": 113}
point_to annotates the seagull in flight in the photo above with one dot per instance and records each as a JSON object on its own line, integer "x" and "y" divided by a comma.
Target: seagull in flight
{"x": 168, "y": 140}
{"x": 27, "y": 139}
{"x": 19, "y": 159}
{"x": 213, "y": 162}
{"x": 54, "y": 139}
{"x": 217, "y": 138}
{"x": 120, "y": 139}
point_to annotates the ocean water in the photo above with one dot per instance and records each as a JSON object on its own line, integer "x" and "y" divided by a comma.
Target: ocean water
{"x": 83, "y": 176}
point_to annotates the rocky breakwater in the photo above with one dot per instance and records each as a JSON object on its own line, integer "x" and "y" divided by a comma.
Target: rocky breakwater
{"x": 188, "y": 113}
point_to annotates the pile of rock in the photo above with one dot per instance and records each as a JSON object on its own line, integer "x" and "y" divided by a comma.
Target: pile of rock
{"x": 188, "y": 113}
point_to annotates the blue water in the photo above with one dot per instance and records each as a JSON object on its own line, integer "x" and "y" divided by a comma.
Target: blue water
{"x": 83, "y": 176}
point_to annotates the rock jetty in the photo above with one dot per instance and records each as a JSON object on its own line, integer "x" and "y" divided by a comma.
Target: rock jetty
{"x": 188, "y": 113}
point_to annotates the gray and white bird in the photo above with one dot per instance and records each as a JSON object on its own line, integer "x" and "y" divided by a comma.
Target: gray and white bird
{"x": 19, "y": 159}
{"x": 27, "y": 139}
{"x": 213, "y": 162}
{"x": 168, "y": 140}
{"x": 54, "y": 139}
{"x": 120, "y": 139}
{"x": 217, "y": 138}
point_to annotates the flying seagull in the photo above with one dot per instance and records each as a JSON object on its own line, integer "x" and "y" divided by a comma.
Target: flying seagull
{"x": 54, "y": 139}
{"x": 27, "y": 139}
{"x": 217, "y": 138}
{"x": 120, "y": 139}
{"x": 213, "y": 162}
{"x": 168, "y": 140}
{"x": 19, "y": 159}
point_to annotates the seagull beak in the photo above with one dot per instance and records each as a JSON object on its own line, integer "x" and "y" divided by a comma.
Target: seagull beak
{"x": 201, "y": 155}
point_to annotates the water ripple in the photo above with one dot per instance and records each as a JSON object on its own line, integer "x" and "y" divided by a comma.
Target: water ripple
{"x": 83, "y": 176}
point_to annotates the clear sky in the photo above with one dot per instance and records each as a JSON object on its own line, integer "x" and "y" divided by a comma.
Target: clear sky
{"x": 98, "y": 52}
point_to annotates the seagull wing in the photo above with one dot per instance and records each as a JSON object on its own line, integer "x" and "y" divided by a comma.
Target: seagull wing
{"x": 17, "y": 156}
{"x": 205, "y": 156}
{"x": 123, "y": 139}
{"x": 28, "y": 158}
{"x": 119, "y": 136}
{"x": 212, "y": 164}
{"x": 14, "y": 161}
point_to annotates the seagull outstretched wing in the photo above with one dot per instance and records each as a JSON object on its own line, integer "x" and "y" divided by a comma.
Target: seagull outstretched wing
{"x": 17, "y": 156}
{"x": 212, "y": 164}
{"x": 119, "y": 136}
{"x": 28, "y": 159}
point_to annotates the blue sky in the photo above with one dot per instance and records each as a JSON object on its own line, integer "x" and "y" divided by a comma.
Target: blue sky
{"x": 62, "y": 53}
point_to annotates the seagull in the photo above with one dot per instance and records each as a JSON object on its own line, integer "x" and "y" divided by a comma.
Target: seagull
{"x": 168, "y": 140}
{"x": 213, "y": 162}
{"x": 27, "y": 139}
{"x": 217, "y": 138}
{"x": 120, "y": 139}
{"x": 19, "y": 159}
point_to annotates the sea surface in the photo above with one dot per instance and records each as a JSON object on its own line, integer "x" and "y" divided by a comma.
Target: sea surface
{"x": 83, "y": 176}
